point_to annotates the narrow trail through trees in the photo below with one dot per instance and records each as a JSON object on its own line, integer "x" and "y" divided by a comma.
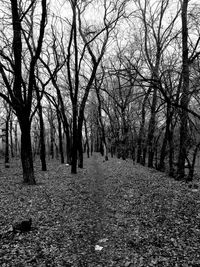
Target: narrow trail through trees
{"x": 94, "y": 217}
{"x": 97, "y": 176}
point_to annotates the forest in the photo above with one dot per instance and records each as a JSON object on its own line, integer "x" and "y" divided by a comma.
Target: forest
{"x": 117, "y": 77}
{"x": 99, "y": 133}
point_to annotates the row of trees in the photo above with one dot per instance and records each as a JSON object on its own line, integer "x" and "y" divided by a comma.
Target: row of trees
{"x": 132, "y": 92}
{"x": 68, "y": 53}
{"x": 157, "y": 75}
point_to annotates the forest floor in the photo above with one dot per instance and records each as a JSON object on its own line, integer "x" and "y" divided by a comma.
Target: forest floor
{"x": 112, "y": 213}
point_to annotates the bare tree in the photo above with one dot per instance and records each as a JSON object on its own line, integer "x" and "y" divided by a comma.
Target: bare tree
{"x": 85, "y": 49}
{"x": 156, "y": 39}
{"x": 17, "y": 68}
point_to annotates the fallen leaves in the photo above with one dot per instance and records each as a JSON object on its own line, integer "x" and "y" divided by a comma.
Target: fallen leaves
{"x": 111, "y": 213}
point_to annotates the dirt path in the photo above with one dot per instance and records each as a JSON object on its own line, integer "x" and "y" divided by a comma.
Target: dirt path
{"x": 98, "y": 194}
{"x": 94, "y": 216}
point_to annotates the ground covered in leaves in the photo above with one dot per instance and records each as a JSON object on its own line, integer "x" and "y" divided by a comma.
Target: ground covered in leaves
{"x": 112, "y": 213}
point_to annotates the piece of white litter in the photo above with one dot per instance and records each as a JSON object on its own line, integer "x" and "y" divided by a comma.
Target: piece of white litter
{"x": 194, "y": 190}
{"x": 98, "y": 248}
{"x": 67, "y": 164}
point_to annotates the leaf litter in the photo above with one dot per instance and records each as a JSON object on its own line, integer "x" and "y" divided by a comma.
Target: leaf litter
{"x": 111, "y": 213}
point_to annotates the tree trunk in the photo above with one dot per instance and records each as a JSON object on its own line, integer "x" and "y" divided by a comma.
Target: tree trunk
{"x": 7, "y": 142}
{"x": 68, "y": 147}
{"x": 52, "y": 138}
{"x": 42, "y": 131}
{"x": 42, "y": 144}
{"x": 74, "y": 141}
{"x": 80, "y": 139}
{"x": 16, "y": 139}
{"x": 60, "y": 138}
{"x": 42, "y": 136}
{"x": 11, "y": 139}
{"x": 184, "y": 96}
{"x": 67, "y": 131}
{"x": 26, "y": 153}
{"x": 151, "y": 130}
{"x": 80, "y": 149}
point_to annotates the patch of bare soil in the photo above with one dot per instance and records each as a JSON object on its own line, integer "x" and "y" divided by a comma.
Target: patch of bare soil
{"x": 111, "y": 213}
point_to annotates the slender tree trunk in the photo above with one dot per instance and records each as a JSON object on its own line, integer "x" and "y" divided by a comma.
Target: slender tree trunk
{"x": 184, "y": 96}
{"x": 42, "y": 134}
{"x": 68, "y": 147}
{"x": 52, "y": 135}
{"x": 80, "y": 140}
{"x": 60, "y": 138}
{"x": 16, "y": 139}
{"x": 7, "y": 158}
{"x": 74, "y": 141}
{"x": 11, "y": 139}
{"x": 42, "y": 142}
{"x": 80, "y": 149}
{"x": 151, "y": 130}
{"x": 66, "y": 128}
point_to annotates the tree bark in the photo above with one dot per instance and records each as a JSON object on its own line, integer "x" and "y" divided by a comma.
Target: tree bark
{"x": 151, "y": 130}
{"x": 16, "y": 139}
{"x": 60, "y": 138}
{"x": 11, "y": 139}
{"x": 80, "y": 149}
{"x": 26, "y": 152}
{"x": 7, "y": 158}
{"x": 184, "y": 96}
{"x": 42, "y": 140}
{"x": 68, "y": 147}
{"x": 42, "y": 131}
{"x": 52, "y": 140}
{"x": 74, "y": 141}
